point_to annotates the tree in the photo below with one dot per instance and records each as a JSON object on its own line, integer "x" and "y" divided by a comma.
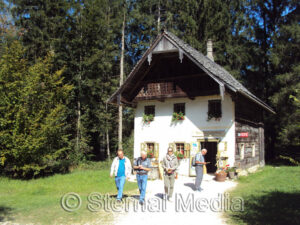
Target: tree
{"x": 45, "y": 26}
{"x": 33, "y": 138}
{"x": 286, "y": 86}
{"x": 8, "y": 32}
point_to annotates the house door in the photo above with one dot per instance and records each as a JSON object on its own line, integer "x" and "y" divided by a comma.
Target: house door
{"x": 212, "y": 148}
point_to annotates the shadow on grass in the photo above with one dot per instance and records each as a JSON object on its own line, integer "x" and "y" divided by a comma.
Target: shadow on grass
{"x": 5, "y": 213}
{"x": 286, "y": 160}
{"x": 271, "y": 208}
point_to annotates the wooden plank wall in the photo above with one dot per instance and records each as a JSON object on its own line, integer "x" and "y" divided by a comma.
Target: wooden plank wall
{"x": 254, "y": 138}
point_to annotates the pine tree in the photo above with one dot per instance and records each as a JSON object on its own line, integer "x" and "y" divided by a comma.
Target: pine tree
{"x": 286, "y": 86}
{"x": 44, "y": 24}
{"x": 33, "y": 124}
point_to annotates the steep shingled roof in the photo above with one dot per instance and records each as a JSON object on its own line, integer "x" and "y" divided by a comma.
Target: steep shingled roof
{"x": 218, "y": 73}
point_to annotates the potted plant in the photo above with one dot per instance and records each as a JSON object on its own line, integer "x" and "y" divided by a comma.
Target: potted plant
{"x": 150, "y": 154}
{"x": 221, "y": 173}
{"x": 177, "y": 116}
{"x": 147, "y": 118}
{"x": 231, "y": 172}
{"x": 179, "y": 155}
{"x": 214, "y": 115}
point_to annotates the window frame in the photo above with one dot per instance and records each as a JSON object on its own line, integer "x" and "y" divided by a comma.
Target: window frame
{"x": 184, "y": 151}
{"x": 214, "y": 111}
{"x": 147, "y": 107}
{"x": 148, "y": 148}
{"x": 179, "y": 105}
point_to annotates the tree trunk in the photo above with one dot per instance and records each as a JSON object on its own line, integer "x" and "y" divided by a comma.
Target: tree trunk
{"x": 78, "y": 135}
{"x": 107, "y": 137}
{"x": 158, "y": 18}
{"x": 121, "y": 82}
{"x": 78, "y": 126}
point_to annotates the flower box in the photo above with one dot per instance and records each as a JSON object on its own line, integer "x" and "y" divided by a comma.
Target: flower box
{"x": 148, "y": 118}
{"x": 177, "y": 116}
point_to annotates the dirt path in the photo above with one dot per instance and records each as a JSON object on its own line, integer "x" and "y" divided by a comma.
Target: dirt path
{"x": 157, "y": 211}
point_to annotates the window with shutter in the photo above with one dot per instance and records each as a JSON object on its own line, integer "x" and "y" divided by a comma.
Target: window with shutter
{"x": 183, "y": 148}
{"x": 150, "y": 150}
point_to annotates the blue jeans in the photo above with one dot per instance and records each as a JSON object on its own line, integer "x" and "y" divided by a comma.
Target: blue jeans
{"x": 120, "y": 181}
{"x": 142, "y": 183}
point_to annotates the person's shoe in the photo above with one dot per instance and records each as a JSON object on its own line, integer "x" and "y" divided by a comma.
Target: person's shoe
{"x": 170, "y": 199}
{"x": 119, "y": 200}
{"x": 141, "y": 202}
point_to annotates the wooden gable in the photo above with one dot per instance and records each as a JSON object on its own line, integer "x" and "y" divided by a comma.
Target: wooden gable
{"x": 171, "y": 68}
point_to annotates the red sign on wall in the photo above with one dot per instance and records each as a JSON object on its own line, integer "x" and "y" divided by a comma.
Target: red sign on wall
{"x": 243, "y": 135}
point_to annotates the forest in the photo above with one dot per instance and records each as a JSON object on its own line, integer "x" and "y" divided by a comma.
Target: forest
{"x": 61, "y": 60}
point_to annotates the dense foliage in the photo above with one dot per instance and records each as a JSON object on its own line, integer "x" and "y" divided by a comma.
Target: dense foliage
{"x": 33, "y": 137}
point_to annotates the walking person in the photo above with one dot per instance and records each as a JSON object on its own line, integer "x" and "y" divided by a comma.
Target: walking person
{"x": 142, "y": 166}
{"x": 170, "y": 164}
{"x": 200, "y": 161}
{"x": 121, "y": 169}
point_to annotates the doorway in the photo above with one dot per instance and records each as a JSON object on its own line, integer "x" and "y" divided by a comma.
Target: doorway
{"x": 212, "y": 148}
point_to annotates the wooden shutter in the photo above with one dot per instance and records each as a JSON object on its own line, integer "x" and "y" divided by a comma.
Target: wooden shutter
{"x": 172, "y": 145}
{"x": 253, "y": 149}
{"x": 143, "y": 147}
{"x": 187, "y": 149}
{"x": 222, "y": 152}
{"x": 156, "y": 150}
{"x": 242, "y": 150}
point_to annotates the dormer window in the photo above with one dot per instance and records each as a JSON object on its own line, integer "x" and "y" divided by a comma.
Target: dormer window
{"x": 214, "y": 109}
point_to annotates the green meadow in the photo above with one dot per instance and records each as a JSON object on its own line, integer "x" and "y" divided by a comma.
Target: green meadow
{"x": 38, "y": 201}
{"x": 271, "y": 196}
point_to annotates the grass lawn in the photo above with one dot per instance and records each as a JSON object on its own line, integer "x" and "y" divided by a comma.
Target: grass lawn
{"x": 39, "y": 201}
{"x": 271, "y": 196}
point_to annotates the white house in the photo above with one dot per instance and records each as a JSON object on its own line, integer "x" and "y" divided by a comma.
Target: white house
{"x": 185, "y": 100}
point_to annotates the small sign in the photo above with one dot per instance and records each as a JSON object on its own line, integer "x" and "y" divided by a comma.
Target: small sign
{"x": 243, "y": 135}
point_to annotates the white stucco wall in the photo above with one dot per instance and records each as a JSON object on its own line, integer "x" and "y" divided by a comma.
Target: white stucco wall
{"x": 162, "y": 131}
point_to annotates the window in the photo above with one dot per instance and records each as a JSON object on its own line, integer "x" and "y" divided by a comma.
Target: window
{"x": 150, "y": 150}
{"x": 214, "y": 109}
{"x": 242, "y": 151}
{"x": 180, "y": 148}
{"x": 179, "y": 107}
{"x": 253, "y": 150}
{"x": 149, "y": 110}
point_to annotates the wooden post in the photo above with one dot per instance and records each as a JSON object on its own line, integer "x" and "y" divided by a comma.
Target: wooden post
{"x": 261, "y": 144}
